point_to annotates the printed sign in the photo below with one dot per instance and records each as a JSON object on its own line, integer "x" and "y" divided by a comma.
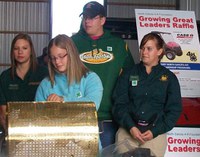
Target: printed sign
{"x": 183, "y": 142}
{"x": 182, "y": 54}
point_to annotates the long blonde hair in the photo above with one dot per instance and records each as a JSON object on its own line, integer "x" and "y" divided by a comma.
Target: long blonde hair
{"x": 75, "y": 67}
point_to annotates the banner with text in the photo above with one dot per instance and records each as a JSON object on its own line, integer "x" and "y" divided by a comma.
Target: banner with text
{"x": 179, "y": 31}
{"x": 183, "y": 142}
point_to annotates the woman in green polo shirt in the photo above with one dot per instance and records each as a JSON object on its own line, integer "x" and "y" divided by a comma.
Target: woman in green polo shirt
{"x": 20, "y": 81}
{"x": 147, "y": 99}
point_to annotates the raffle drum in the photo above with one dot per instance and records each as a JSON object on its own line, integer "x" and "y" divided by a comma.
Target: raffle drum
{"x": 52, "y": 129}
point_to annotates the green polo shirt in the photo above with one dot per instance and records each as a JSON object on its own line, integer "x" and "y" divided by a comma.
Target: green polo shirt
{"x": 20, "y": 90}
{"x": 142, "y": 95}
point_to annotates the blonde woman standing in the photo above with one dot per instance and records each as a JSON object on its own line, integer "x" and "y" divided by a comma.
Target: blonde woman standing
{"x": 69, "y": 79}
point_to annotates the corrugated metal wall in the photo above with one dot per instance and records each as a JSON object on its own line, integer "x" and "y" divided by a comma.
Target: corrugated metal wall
{"x": 191, "y": 5}
{"x": 30, "y": 17}
{"x": 125, "y": 8}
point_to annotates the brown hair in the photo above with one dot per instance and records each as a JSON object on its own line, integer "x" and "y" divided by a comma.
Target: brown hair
{"x": 160, "y": 44}
{"x": 33, "y": 59}
{"x": 75, "y": 67}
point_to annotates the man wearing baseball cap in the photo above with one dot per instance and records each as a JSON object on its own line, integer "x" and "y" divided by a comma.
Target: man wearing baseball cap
{"x": 93, "y": 9}
{"x": 106, "y": 55}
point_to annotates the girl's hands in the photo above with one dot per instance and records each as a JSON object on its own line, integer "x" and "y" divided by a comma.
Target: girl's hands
{"x": 55, "y": 97}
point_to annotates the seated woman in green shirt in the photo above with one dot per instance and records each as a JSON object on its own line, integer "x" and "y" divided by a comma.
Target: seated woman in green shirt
{"x": 147, "y": 99}
{"x": 20, "y": 81}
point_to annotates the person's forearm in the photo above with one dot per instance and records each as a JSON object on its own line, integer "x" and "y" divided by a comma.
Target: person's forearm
{"x": 3, "y": 108}
{"x": 3, "y": 116}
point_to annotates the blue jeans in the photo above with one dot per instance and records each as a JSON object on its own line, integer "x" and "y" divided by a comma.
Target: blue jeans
{"x": 107, "y": 130}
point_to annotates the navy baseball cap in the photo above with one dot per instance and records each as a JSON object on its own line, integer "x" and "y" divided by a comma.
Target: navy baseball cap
{"x": 92, "y": 9}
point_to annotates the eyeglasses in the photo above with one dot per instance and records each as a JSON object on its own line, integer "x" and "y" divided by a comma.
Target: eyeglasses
{"x": 89, "y": 18}
{"x": 53, "y": 59}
